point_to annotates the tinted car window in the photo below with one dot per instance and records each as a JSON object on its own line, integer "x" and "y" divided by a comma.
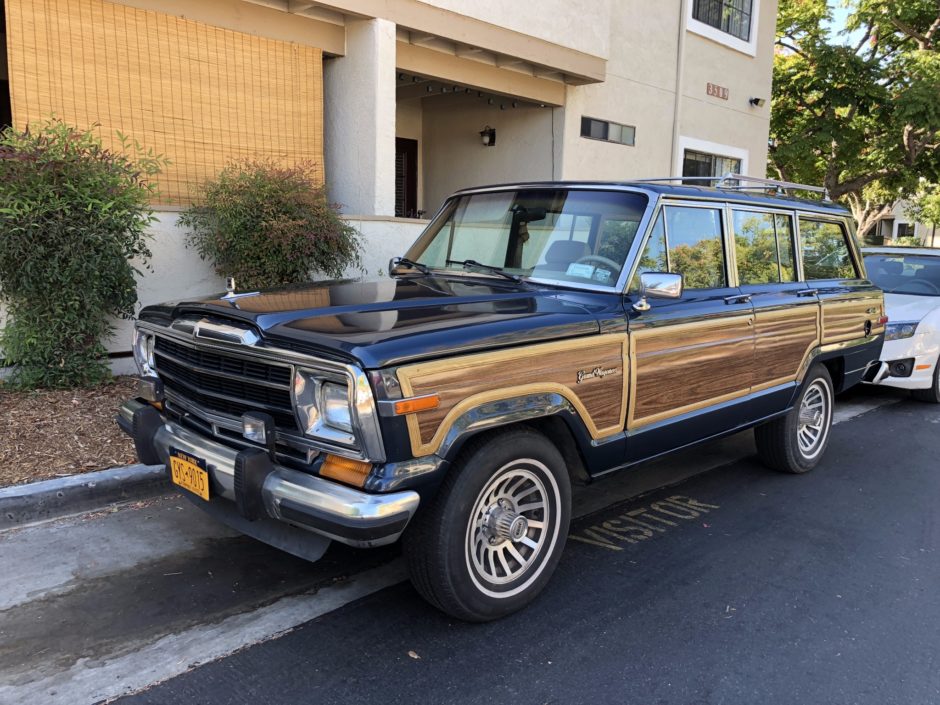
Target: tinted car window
{"x": 695, "y": 250}
{"x": 905, "y": 274}
{"x": 825, "y": 252}
{"x": 764, "y": 247}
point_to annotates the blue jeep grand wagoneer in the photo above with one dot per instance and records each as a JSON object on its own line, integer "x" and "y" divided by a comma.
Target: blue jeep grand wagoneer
{"x": 534, "y": 335}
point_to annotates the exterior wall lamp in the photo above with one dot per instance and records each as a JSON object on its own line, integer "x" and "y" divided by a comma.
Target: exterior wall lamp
{"x": 757, "y": 102}
{"x": 488, "y": 136}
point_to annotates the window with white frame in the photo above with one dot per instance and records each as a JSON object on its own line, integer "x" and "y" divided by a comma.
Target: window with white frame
{"x": 731, "y": 16}
{"x": 704, "y": 164}
{"x": 698, "y": 157}
{"x": 729, "y": 22}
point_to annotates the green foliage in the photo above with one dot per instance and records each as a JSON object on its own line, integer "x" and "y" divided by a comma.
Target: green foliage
{"x": 701, "y": 265}
{"x": 863, "y": 118}
{"x": 72, "y": 216}
{"x": 269, "y": 226}
{"x": 924, "y": 205}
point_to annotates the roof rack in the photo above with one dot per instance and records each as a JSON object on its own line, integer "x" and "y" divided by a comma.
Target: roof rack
{"x": 745, "y": 183}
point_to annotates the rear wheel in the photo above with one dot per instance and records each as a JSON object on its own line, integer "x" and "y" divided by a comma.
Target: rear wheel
{"x": 931, "y": 395}
{"x": 796, "y": 442}
{"x": 492, "y": 537}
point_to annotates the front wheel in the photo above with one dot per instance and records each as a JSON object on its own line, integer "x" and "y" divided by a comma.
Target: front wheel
{"x": 796, "y": 442}
{"x": 492, "y": 537}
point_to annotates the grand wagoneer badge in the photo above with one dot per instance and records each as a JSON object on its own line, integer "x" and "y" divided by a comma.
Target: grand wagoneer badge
{"x": 598, "y": 372}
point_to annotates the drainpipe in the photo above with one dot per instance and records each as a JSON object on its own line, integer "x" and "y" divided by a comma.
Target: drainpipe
{"x": 680, "y": 65}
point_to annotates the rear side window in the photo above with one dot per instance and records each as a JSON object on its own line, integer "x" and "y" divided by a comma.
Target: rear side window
{"x": 763, "y": 244}
{"x": 686, "y": 241}
{"x": 825, "y": 250}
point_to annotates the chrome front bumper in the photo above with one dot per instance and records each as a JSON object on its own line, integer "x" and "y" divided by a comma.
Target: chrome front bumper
{"x": 327, "y": 508}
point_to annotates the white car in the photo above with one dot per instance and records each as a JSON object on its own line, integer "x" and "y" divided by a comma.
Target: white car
{"x": 910, "y": 278}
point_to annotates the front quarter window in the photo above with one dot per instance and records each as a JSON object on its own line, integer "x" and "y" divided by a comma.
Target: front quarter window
{"x": 567, "y": 236}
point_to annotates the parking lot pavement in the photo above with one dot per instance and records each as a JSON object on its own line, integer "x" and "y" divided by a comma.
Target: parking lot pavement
{"x": 739, "y": 585}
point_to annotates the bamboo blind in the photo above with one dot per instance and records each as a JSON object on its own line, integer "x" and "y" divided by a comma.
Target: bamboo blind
{"x": 200, "y": 95}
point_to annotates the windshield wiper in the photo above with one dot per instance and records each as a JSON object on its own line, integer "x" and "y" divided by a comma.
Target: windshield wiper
{"x": 466, "y": 263}
{"x": 423, "y": 268}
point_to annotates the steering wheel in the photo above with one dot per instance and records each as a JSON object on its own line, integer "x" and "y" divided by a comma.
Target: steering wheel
{"x": 598, "y": 259}
{"x": 923, "y": 282}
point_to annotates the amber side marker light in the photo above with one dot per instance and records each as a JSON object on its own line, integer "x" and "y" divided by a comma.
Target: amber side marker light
{"x": 411, "y": 406}
{"x": 922, "y": 367}
{"x": 352, "y": 472}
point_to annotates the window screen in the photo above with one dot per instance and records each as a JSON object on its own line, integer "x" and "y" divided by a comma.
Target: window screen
{"x": 825, "y": 251}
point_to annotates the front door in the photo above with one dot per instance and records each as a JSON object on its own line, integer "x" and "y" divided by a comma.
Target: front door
{"x": 691, "y": 359}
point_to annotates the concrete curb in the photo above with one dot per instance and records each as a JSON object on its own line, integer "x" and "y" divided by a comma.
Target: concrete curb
{"x": 50, "y": 499}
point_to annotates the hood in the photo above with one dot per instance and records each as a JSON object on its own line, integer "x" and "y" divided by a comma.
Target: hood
{"x": 907, "y": 307}
{"x": 389, "y": 322}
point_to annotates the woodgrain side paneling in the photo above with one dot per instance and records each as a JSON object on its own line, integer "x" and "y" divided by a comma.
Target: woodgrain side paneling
{"x": 784, "y": 338}
{"x": 683, "y": 367}
{"x": 844, "y": 319}
{"x": 470, "y": 380}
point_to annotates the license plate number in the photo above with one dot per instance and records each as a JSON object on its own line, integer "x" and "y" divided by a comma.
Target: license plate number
{"x": 189, "y": 472}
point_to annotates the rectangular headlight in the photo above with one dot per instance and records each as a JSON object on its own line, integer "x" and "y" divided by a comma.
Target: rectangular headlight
{"x": 900, "y": 330}
{"x": 334, "y": 406}
{"x": 323, "y": 407}
{"x": 143, "y": 352}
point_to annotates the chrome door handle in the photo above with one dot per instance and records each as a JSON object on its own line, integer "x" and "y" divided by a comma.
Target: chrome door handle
{"x": 738, "y": 299}
{"x": 808, "y": 292}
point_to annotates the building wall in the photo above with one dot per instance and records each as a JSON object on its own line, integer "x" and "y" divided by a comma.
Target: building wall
{"x": 455, "y": 158}
{"x": 576, "y": 24}
{"x": 640, "y": 90}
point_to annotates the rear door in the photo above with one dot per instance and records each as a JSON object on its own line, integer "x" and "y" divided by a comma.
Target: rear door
{"x": 690, "y": 358}
{"x": 851, "y": 306}
{"x": 786, "y": 310}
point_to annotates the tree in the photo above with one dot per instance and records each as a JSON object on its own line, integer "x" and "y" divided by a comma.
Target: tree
{"x": 861, "y": 118}
{"x": 924, "y": 207}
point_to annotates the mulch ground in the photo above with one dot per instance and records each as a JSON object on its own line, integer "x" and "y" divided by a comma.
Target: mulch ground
{"x": 46, "y": 434}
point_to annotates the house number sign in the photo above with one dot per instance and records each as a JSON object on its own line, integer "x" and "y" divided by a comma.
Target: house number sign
{"x": 713, "y": 89}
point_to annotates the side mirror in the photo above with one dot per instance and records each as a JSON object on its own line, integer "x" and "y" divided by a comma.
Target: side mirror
{"x": 659, "y": 285}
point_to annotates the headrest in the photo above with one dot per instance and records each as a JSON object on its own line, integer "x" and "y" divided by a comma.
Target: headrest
{"x": 565, "y": 252}
{"x": 892, "y": 267}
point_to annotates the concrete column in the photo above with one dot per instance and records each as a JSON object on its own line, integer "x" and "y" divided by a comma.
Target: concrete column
{"x": 359, "y": 120}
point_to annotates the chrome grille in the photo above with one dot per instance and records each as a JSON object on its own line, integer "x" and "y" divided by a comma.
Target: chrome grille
{"x": 225, "y": 384}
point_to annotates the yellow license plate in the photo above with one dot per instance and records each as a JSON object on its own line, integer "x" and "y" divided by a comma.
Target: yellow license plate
{"x": 189, "y": 472}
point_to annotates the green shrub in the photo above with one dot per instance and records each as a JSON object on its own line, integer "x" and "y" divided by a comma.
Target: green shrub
{"x": 72, "y": 216}
{"x": 267, "y": 226}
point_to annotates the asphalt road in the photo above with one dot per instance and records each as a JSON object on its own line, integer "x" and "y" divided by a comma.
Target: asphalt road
{"x": 736, "y": 585}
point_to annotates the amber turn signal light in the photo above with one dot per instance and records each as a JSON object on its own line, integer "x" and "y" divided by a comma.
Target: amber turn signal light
{"x": 415, "y": 404}
{"x": 352, "y": 472}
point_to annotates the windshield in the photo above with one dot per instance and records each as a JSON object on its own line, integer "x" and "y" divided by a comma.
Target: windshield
{"x": 562, "y": 235}
{"x": 905, "y": 274}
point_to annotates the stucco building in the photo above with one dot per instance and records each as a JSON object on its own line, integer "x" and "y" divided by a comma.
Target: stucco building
{"x": 400, "y": 101}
